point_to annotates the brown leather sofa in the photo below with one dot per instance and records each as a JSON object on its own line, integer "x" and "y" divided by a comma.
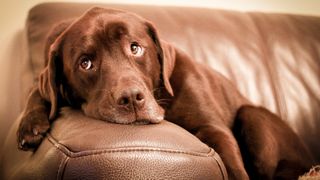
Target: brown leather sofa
{"x": 274, "y": 59}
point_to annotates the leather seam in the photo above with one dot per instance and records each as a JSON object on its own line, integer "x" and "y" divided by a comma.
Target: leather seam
{"x": 220, "y": 167}
{"x": 72, "y": 154}
{"x": 62, "y": 166}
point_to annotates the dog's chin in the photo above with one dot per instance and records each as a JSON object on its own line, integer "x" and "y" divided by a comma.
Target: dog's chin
{"x": 141, "y": 122}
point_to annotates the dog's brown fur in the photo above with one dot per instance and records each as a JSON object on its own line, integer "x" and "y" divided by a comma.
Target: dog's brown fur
{"x": 122, "y": 87}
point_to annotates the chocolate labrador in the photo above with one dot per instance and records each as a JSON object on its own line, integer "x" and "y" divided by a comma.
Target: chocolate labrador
{"x": 112, "y": 65}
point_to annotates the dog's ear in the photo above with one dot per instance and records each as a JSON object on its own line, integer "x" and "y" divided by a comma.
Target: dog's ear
{"x": 166, "y": 56}
{"x": 49, "y": 79}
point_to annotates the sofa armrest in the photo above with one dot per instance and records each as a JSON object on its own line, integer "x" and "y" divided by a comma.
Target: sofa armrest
{"x": 78, "y": 147}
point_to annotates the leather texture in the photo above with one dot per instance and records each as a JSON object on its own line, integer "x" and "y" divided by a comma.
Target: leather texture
{"x": 274, "y": 59}
{"x": 79, "y": 147}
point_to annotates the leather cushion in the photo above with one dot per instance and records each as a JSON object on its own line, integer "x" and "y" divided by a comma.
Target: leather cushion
{"x": 79, "y": 147}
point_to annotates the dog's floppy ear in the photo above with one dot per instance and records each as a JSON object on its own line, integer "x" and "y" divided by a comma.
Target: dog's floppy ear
{"x": 166, "y": 56}
{"x": 49, "y": 79}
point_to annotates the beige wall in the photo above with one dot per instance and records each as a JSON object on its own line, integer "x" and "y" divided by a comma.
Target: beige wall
{"x": 13, "y": 14}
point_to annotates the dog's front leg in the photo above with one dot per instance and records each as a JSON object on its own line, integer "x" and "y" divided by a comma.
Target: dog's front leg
{"x": 34, "y": 122}
{"x": 222, "y": 140}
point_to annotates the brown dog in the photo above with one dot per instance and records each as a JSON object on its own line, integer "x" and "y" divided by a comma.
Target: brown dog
{"x": 111, "y": 65}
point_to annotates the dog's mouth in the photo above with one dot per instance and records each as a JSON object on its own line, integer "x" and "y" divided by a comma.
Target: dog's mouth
{"x": 142, "y": 121}
{"x": 131, "y": 119}
{"x": 135, "y": 121}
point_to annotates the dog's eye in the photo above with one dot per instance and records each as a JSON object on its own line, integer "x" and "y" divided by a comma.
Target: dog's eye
{"x": 136, "y": 49}
{"x": 86, "y": 63}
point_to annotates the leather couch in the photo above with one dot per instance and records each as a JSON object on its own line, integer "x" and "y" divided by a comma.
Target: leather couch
{"x": 274, "y": 59}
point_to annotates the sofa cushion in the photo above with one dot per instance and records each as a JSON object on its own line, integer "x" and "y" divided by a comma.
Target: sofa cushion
{"x": 79, "y": 147}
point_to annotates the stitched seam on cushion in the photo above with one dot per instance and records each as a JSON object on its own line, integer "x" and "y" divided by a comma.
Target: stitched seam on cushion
{"x": 71, "y": 154}
{"x": 220, "y": 167}
{"x": 62, "y": 166}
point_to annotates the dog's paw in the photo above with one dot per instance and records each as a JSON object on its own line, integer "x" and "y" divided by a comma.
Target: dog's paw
{"x": 32, "y": 130}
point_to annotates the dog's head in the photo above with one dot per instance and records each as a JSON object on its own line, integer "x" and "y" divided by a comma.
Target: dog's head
{"x": 109, "y": 63}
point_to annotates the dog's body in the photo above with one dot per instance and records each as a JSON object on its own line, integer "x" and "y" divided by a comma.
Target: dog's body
{"x": 112, "y": 65}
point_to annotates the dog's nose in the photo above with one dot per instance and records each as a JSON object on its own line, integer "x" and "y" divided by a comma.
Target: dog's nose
{"x": 132, "y": 96}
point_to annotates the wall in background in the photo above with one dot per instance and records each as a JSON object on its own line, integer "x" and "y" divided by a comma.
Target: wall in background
{"x": 13, "y": 14}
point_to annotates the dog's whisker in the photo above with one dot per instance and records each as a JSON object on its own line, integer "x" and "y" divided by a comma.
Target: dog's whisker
{"x": 163, "y": 100}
